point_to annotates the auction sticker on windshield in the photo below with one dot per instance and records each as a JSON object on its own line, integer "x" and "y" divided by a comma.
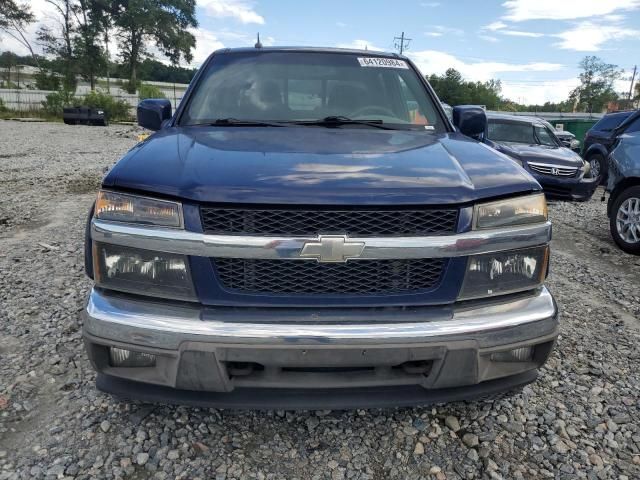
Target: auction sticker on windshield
{"x": 382, "y": 62}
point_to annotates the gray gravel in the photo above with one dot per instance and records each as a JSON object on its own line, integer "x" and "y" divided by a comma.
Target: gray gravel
{"x": 579, "y": 420}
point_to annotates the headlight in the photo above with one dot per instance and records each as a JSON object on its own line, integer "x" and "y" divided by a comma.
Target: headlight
{"x": 121, "y": 207}
{"x": 504, "y": 272}
{"x": 510, "y": 211}
{"x": 144, "y": 272}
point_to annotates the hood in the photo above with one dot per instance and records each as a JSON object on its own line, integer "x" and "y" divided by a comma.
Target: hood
{"x": 315, "y": 165}
{"x": 541, "y": 154}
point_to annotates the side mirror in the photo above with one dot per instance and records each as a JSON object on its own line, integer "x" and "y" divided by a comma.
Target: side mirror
{"x": 152, "y": 112}
{"x": 470, "y": 120}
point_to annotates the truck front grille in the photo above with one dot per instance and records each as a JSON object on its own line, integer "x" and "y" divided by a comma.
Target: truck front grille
{"x": 313, "y": 278}
{"x": 312, "y": 222}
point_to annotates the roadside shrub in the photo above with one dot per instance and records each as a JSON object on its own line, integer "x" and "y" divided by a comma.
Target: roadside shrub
{"x": 115, "y": 109}
{"x": 56, "y": 101}
{"x": 2, "y": 107}
{"x": 150, "y": 91}
{"x": 47, "y": 80}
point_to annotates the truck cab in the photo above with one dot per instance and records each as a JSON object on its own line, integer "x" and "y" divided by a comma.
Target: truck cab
{"x": 309, "y": 230}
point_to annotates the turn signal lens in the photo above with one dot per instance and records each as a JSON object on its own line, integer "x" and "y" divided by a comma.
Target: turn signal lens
{"x": 504, "y": 272}
{"x": 511, "y": 211}
{"x": 122, "y": 207}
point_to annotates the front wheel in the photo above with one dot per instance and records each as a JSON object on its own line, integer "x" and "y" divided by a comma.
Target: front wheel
{"x": 598, "y": 165}
{"x": 624, "y": 221}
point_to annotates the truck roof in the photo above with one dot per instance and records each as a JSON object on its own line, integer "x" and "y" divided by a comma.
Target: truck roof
{"x": 352, "y": 51}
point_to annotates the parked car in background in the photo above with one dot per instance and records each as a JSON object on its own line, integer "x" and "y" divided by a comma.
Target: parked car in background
{"x": 308, "y": 230}
{"x": 567, "y": 138}
{"x": 532, "y": 143}
{"x": 623, "y": 207}
{"x": 448, "y": 110}
{"x": 599, "y": 140}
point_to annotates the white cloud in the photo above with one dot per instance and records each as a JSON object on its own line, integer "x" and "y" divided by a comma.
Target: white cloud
{"x": 433, "y": 61}
{"x": 521, "y": 10}
{"x": 520, "y": 33}
{"x": 240, "y": 10}
{"x": 360, "y": 45}
{"x": 539, "y": 93}
{"x": 588, "y": 36}
{"x": 440, "y": 30}
{"x": 206, "y": 43}
{"x": 501, "y": 28}
{"x": 494, "y": 26}
{"x": 488, "y": 38}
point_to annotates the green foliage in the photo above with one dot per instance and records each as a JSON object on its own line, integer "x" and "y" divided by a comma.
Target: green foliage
{"x": 46, "y": 80}
{"x": 149, "y": 91}
{"x": 163, "y": 22}
{"x": 596, "y": 85}
{"x": 2, "y": 107}
{"x": 115, "y": 109}
{"x": 151, "y": 70}
{"x": 454, "y": 90}
{"x": 56, "y": 101}
{"x": 12, "y": 13}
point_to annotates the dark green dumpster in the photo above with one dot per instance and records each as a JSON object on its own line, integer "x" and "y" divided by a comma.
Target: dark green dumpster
{"x": 577, "y": 126}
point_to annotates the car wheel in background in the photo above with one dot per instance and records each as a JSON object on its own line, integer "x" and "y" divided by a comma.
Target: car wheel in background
{"x": 624, "y": 220}
{"x": 598, "y": 166}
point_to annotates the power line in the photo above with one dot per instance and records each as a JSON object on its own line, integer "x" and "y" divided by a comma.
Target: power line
{"x": 401, "y": 43}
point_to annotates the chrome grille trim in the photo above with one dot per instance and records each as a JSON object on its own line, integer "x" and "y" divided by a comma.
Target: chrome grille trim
{"x": 546, "y": 169}
{"x": 289, "y": 248}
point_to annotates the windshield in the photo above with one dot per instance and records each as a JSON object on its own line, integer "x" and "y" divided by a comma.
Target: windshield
{"x": 520, "y": 132}
{"x": 310, "y": 86}
{"x": 609, "y": 122}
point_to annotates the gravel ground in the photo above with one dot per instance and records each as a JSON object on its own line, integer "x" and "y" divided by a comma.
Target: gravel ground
{"x": 579, "y": 420}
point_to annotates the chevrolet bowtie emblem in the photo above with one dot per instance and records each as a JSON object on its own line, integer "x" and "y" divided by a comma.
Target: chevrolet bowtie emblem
{"x": 332, "y": 248}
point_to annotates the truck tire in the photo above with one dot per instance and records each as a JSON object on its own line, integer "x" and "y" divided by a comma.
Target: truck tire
{"x": 624, "y": 220}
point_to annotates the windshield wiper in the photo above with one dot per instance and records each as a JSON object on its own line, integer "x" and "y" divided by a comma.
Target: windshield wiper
{"x": 337, "y": 120}
{"x": 233, "y": 122}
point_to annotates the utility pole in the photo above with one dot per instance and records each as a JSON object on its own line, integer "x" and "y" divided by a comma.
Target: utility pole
{"x": 401, "y": 43}
{"x": 633, "y": 77}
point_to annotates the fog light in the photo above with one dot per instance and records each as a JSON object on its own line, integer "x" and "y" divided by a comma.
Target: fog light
{"x": 119, "y": 357}
{"x": 522, "y": 354}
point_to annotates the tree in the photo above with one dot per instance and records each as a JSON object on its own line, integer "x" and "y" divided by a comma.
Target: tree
{"x": 596, "y": 87}
{"x": 165, "y": 22}
{"x": 8, "y": 61}
{"x": 454, "y": 90}
{"x": 59, "y": 42}
{"x": 89, "y": 54}
{"x": 14, "y": 20}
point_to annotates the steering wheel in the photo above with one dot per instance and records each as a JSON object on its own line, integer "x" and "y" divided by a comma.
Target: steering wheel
{"x": 372, "y": 110}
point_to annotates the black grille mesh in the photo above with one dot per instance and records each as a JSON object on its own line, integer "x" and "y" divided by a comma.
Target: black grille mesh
{"x": 229, "y": 221}
{"x": 309, "y": 277}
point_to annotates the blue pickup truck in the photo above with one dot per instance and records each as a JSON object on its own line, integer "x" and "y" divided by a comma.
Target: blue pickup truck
{"x": 309, "y": 230}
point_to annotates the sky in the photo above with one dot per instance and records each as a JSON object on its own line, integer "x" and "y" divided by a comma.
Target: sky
{"x": 532, "y": 46}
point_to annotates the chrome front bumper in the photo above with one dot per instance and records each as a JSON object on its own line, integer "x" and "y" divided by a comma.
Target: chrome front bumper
{"x": 199, "y": 349}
